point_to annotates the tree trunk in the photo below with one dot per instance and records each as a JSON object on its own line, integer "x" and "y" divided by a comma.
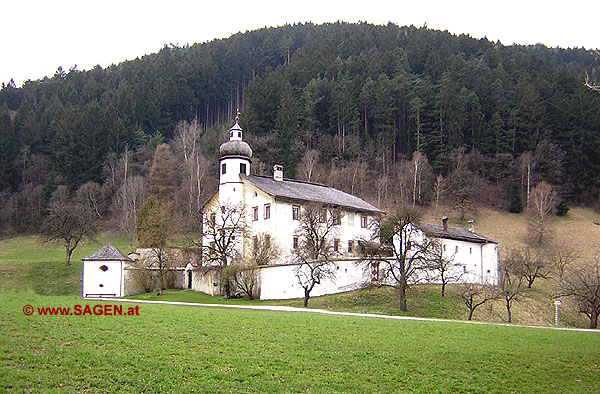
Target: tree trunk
{"x": 470, "y": 314}
{"x": 68, "y": 253}
{"x": 402, "y": 296}
{"x": 306, "y": 297}
{"x": 443, "y": 289}
{"x": 594, "y": 319}
{"x": 508, "y": 314}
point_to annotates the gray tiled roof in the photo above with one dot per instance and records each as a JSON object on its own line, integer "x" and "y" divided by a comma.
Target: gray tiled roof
{"x": 312, "y": 192}
{"x": 458, "y": 233}
{"x": 107, "y": 253}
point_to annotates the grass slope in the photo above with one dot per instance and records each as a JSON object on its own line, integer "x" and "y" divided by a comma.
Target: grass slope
{"x": 193, "y": 349}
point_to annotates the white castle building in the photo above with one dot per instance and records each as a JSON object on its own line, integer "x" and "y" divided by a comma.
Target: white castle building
{"x": 272, "y": 207}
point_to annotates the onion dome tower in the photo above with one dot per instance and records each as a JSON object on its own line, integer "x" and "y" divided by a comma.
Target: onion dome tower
{"x": 234, "y": 158}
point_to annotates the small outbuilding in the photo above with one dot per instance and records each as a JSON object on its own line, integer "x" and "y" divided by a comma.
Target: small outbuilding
{"x": 103, "y": 273}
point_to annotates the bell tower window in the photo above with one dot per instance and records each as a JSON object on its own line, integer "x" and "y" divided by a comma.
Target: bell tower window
{"x": 223, "y": 168}
{"x": 243, "y": 168}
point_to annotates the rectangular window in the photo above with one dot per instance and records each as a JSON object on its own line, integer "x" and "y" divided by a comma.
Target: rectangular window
{"x": 350, "y": 246}
{"x": 322, "y": 215}
{"x": 337, "y": 217}
{"x": 464, "y": 269}
{"x": 363, "y": 221}
{"x": 243, "y": 168}
{"x": 223, "y": 168}
{"x": 267, "y": 211}
{"x": 350, "y": 218}
{"x": 336, "y": 245}
{"x": 255, "y": 213}
{"x": 295, "y": 243}
{"x": 295, "y": 212}
{"x": 470, "y": 250}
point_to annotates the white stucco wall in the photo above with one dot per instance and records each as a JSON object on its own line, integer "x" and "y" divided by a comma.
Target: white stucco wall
{"x": 280, "y": 282}
{"x": 102, "y": 283}
{"x": 280, "y": 225}
{"x": 476, "y": 262}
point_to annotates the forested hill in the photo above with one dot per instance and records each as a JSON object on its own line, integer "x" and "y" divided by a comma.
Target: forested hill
{"x": 359, "y": 98}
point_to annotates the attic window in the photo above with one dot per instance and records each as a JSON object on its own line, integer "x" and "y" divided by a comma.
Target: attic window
{"x": 363, "y": 221}
{"x": 295, "y": 212}
{"x": 337, "y": 217}
{"x": 103, "y": 268}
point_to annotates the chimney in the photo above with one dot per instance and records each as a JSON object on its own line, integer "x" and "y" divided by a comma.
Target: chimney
{"x": 471, "y": 226}
{"x": 445, "y": 223}
{"x": 278, "y": 172}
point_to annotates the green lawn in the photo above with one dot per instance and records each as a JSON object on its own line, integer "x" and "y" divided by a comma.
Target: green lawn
{"x": 211, "y": 349}
{"x": 29, "y": 249}
{"x": 197, "y": 349}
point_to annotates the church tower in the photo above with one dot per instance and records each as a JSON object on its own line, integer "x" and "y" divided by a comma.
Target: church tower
{"x": 235, "y": 158}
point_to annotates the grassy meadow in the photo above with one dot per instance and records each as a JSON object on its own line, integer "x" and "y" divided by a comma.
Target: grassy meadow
{"x": 213, "y": 350}
{"x": 198, "y": 349}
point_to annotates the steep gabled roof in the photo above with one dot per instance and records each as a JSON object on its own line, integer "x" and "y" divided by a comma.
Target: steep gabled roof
{"x": 457, "y": 233}
{"x": 107, "y": 253}
{"x": 309, "y": 192}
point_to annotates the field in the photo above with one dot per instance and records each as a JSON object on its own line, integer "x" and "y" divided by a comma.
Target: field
{"x": 195, "y": 349}
{"x": 212, "y": 349}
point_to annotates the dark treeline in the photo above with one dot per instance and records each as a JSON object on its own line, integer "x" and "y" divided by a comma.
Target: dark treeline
{"x": 390, "y": 113}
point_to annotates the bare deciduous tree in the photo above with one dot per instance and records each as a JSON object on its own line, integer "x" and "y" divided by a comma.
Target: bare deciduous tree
{"x": 540, "y": 211}
{"x": 441, "y": 265}
{"x": 127, "y": 201}
{"x": 163, "y": 264}
{"x": 511, "y": 281}
{"x": 438, "y": 189}
{"x": 308, "y": 164}
{"x": 69, "y": 220}
{"x": 400, "y": 235}
{"x": 186, "y": 139}
{"x": 316, "y": 229}
{"x": 475, "y": 295}
{"x": 582, "y": 282}
{"x": 263, "y": 250}
{"x": 243, "y": 276}
{"x": 223, "y": 228}
{"x": 533, "y": 264}
{"x": 526, "y": 165}
{"x": 562, "y": 259}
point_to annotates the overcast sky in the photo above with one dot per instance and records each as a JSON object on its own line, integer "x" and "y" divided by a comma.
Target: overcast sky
{"x": 38, "y": 36}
